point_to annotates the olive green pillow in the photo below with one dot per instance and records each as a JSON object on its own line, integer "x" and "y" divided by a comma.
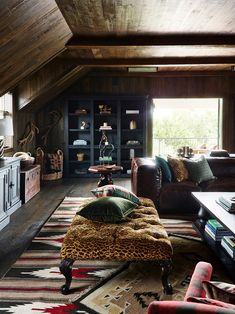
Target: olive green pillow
{"x": 107, "y": 209}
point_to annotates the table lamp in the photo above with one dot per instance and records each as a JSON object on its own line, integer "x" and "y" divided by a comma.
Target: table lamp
{"x": 6, "y": 129}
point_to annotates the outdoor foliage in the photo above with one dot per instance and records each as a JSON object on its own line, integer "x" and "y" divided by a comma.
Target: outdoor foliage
{"x": 187, "y": 128}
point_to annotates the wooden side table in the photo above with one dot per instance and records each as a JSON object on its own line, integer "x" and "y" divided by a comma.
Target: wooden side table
{"x": 105, "y": 173}
{"x": 29, "y": 182}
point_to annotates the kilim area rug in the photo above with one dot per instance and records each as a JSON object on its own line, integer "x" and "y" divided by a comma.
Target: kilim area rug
{"x": 33, "y": 283}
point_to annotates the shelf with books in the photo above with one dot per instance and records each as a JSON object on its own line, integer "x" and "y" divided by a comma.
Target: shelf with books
{"x": 79, "y": 130}
{"x": 79, "y": 146}
{"x": 217, "y": 248}
{"x": 223, "y": 226}
{"x": 122, "y": 118}
{"x": 228, "y": 243}
{"x": 216, "y": 230}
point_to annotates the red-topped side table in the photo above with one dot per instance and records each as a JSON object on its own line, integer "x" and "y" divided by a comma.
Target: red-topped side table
{"x": 105, "y": 173}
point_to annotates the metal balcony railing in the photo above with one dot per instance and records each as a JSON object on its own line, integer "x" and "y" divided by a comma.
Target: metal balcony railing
{"x": 165, "y": 146}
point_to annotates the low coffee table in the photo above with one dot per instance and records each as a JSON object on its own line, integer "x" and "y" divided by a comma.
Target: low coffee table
{"x": 210, "y": 209}
{"x": 105, "y": 172}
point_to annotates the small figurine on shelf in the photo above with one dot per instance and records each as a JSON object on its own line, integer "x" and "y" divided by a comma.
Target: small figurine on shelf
{"x": 105, "y": 126}
{"x": 105, "y": 109}
{"x": 80, "y": 156}
{"x": 106, "y": 149}
{"x": 84, "y": 125}
{"x": 132, "y": 125}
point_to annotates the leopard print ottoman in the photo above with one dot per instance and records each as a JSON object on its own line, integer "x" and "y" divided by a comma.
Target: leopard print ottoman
{"x": 138, "y": 237}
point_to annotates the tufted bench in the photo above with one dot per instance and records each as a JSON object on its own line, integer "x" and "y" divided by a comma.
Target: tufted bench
{"x": 138, "y": 237}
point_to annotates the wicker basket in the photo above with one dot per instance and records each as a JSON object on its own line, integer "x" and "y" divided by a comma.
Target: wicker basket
{"x": 51, "y": 164}
{"x": 26, "y": 159}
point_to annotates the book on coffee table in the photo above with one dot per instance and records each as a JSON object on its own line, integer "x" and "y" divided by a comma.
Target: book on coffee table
{"x": 228, "y": 203}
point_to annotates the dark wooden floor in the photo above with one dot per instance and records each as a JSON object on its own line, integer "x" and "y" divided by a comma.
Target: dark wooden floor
{"x": 29, "y": 218}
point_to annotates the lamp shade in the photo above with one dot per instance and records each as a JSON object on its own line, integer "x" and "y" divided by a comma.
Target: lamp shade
{"x": 6, "y": 126}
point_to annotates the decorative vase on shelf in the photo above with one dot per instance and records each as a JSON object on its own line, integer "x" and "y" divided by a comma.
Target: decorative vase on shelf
{"x": 132, "y": 125}
{"x": 80, "y": 156}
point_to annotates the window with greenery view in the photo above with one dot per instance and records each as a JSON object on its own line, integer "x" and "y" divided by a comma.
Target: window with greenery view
{"x": 186, "y": 122}
{"x": 6, "y": 105}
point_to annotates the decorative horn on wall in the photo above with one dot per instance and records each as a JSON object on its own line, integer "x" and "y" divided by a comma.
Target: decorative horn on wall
{"x": 55, "y": 116}
{"x": 29, "y": 134}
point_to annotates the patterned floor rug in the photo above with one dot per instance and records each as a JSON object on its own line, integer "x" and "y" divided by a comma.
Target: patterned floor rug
{"x": 33, "y": 283}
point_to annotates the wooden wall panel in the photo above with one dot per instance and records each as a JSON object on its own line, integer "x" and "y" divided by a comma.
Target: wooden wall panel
{"x": 158, "y": 87}
{"x": 44, "y": 119}
{"x": 33, "y": 85}
{"x": 164, "y": 87}
{"x": 21, "y": 119}
{"x": 49, "y": 81}
{"x": 228, "y": 132}
{"x": 167, "y": 87}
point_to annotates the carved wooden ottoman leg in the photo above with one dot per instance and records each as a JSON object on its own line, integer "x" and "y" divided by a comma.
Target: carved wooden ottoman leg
{"x": 166, "y": 269}
{"x": 66, "y": 270}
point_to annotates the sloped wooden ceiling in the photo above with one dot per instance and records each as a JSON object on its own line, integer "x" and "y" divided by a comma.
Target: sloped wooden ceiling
{"x": 150, "y": 32}
{"x": 171, "y": 35}
{"x": 32, "y": 32}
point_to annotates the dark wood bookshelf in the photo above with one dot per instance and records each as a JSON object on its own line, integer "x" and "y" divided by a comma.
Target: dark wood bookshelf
{"x": 119, "y": 135}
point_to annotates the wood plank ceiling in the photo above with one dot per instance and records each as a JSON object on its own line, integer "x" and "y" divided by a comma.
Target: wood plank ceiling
{"x": 32, "y": 32}
{"x": 170, "y": 35}
{"x": 150, "y": 32}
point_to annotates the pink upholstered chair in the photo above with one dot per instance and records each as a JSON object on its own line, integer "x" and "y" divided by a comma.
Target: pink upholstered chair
{"x": 194, "y": 297}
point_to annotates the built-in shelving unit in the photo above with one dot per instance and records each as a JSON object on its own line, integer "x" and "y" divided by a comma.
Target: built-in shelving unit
{"x": 83, "y": 118}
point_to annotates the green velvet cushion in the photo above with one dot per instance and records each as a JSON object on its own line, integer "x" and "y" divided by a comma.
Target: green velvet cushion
{"x": 199, "y": 170}
{"x": 107, "y": 209}
{"x": 166, "y": 171}
{"x": 117, "y": 191}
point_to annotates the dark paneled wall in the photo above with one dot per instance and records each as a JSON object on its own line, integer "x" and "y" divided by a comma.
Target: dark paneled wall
{"x": 195, "y": 86}
{"x": 104, "y": 84}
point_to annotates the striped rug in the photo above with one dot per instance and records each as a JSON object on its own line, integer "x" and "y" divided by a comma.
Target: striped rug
{"x": 33, "y": 283}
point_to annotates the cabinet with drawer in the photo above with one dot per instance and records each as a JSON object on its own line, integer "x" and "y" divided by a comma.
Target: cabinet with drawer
{"x": 29, "y": 182}
{"x": 9, "y": 188}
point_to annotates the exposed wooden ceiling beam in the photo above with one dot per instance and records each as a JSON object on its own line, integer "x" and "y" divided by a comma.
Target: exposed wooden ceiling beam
{"x": 151, "y": 40}
{"x": 120, "y": 62}
{"x": 161, "y": 73}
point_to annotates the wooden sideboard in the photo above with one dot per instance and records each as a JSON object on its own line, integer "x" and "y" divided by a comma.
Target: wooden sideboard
{"x": 9, "y": 188}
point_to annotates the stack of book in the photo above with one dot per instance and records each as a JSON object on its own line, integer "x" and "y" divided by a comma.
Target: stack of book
{"x": 228, "y": 243}
{"x": 129, "y": 111}
{"x": 227, "y": 203}
{"x": 215, "y": 230}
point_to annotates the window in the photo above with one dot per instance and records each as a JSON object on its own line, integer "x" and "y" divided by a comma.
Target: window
{"x": 6, "y": 105}
{"x": 193, "y": 122}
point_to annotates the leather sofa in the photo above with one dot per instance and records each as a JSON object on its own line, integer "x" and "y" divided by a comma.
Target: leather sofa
{"x": 175, "y": 198}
